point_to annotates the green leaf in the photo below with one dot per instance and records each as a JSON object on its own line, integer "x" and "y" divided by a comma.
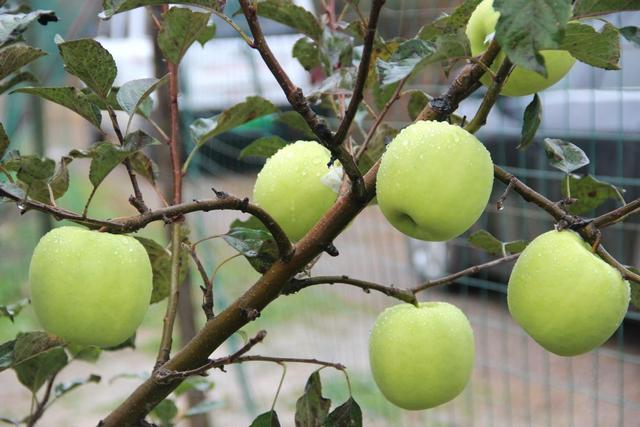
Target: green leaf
{"x": 295, "y": 123}
{"x": 564, "y": 155}
{"x": 288, "y": 13}
{"x": 87, "y": 353}
{"x": 15, "y": 56}
{"x": 138, "y": 140}
{"x": 312, "y": 408}
{"x": 31, "y": 344}
{"x": 12, "y": 25}
{"x": 12, "y": 190}
{"x": 68, "y": 97}
{"x": 263, "y": 147}
{"x": 635, "y": 292}
{"x": 525, "y": 27}
{"x": 165, "y": 412}
{"x": 194, "y": 383}
{"x": 34, "y": 372}
{"x": 161, "y": 267}
{"x": 307, "y": 52}
{"x": 403, "y": 61}
{"x": 449, "y": 23}
{"x": 417, "y": 101}
{"x": 129, "y": 343}
{"x": 252, "y": 223}
{"x": 133, "y": 93}
{"x": 6, "y": 420}
{"x": 40, "y": 178}
{"x": 4, "y": 141}
{"x": 384, "y": 134}
{"x": 584, "y": 8}
{"x": 64, "y": 388}
{"x": 531, "y": 122}
{"x": 485, "y": 241}
{"x": 106, "y": 157}
{"x": 144, "y": 166}
{"x": 6, "y": 354}
{"x": 91, "y": 63}
{"x": 337, "y": 50}
{"x": 632, "y": 34}
{"x": 111, "y": 7}
{"x": 16, "y": 79}
{"x": 267, "y": 419}
{"x": 339, "y": 83}
{"x": 253, "y": 107}
{"x": 181, "y": 28}
{"x": 257, "y": 246}
{"x": 599, "y": 49}
{"x": 12, "y": 310}
{"x": 588, "y": 192}
{"x": 203, "y": 407}
{"x": 348, "y": 414}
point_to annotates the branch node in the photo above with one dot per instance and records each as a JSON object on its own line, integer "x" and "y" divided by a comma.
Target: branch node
{"x": 251, "y": 314}
{"x": 219, "y": 194}
{"x": 331, "y": 250}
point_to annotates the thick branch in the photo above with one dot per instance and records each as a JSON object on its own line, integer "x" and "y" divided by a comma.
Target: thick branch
{"x": 441, "y": 107}
{"x": 466, "y": 272}
{"x": 363, "y": 73}
{"x": 298, "y": 101}
{"x": 296, "y": 285}
{"x": 490, "y": 97}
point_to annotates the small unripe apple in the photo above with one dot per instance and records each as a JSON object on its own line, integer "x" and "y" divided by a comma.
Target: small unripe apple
{"x": 434, "y": 181}
{"x": 90, "y": 288}
{"x": 421, "y": 357}
{"x": 521, "y": 81}
{"x": 290, "y": 188}
{"x": 564, "y": 296}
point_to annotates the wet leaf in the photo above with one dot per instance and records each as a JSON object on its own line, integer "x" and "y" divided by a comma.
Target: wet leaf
{"x": 288, "y": 13}
{"x": 160, "y": 259}
{"x": 531, "y": 122}
{"x": 485, "y": 241}
{"x": 564, "y": 155}
{"x": 257, "y": 246}
{"x": 91, "y": 63}
{"x": 348, "y": 414}
{"x": 588, "y": 192}
{"x": 597, "y": 48}
{"x": 181, "y": 28}
{"x": 312, "y": 408}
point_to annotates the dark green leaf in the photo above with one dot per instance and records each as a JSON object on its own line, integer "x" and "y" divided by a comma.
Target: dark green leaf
{"x": 144, "y": 166}
{"x": 295, "y": 123}
{"x": 384, "y": 134}
{"x": 203, "y": 407}
{"x": 31, "y": 344}
{"x": 525, "y": 27}
{"x": 584, "y": 8}
{"x": 165, "y": 412}
{"x": 531, "y": 121}
{"x": 132, "y": 94}
{"x": 138, "y": 140}
{"x": 257, "y": 246}
{"x": 161, "y": 266}
{"x": 632, "y": 34}
{"x": 252, "y": 222}
{"x": 91, "y": 63}
{"x": 449, "y": 23}
{"x": 6, "y": 354}
{"x": 485, "y": 241}
{"x": 403, "y": 61}
{"x": 12, "y": 189}
{"x": 35, "y": 371}
{"x": 263, "y": 147}
{"x": 4, "y": 141}
{"x": 588, "y": 192}
{"x": 12, "y": 310}
{"x": 111, "y": 7}
{"x": 308, "y": 53}
{"x": 15, "y": 56}
{"x": 64, "y": 388}
{"x": 564, "y": 155}
{"x": 267, "y": 419}
{"x": 87, "y": 353}
{"x": 312, "y": 408}
{"x": 68, "y": 97}
{"x": 16, "y": 79}
{"x": 635, "y": 292}
{"x": 337, "y": 50}
{"x": 129, "y": 343}
{"x": 181, "y": 28}
{"x": 253, "y": 107}
{"x": 194, "y": 383}
{"x": 348, "y": 414}
{"x": 599, "y": 49}
{"x": 14, "y": 24}
{"x": 32, "y": 168}
{"x": 106, "y": 157}
{"x": 288, "y": 13}
{"x": 417, "y": 101}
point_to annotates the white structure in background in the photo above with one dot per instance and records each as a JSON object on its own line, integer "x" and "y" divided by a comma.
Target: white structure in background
{"x": 215, "y": 77}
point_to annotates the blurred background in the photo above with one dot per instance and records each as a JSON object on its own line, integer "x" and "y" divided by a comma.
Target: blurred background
{"x": 515, "y": 383}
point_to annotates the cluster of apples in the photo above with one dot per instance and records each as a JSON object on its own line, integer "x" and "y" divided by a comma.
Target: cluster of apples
{"x": 434, "y": 182}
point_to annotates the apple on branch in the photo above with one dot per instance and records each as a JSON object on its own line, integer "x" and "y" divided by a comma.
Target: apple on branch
{"x": 90, "y": 288}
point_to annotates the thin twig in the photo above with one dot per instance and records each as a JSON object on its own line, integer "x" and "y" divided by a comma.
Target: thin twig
{"x": 466, "y": 272}
{"x": 41, "y": 406}
{"x": 296, "y": 285}
{"x": 490, "y": 97}
{"x": 503, "y": 197}
{"x": 383, "y": 113}
{"x": 618, "y": 214}
{"x": 609, "y": 259}
{"x": 296, "y": 98}
{"x": 207, "y": 288}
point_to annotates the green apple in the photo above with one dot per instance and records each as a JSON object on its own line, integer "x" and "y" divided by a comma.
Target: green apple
{"x": 564, "y": 296}
{"x": 90, "y": 288}
{"x": 521, "y": 81}
{"x": 434, "y": 181}
{"x": 421, "y": 357}
{"x": 290, "y": 187}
